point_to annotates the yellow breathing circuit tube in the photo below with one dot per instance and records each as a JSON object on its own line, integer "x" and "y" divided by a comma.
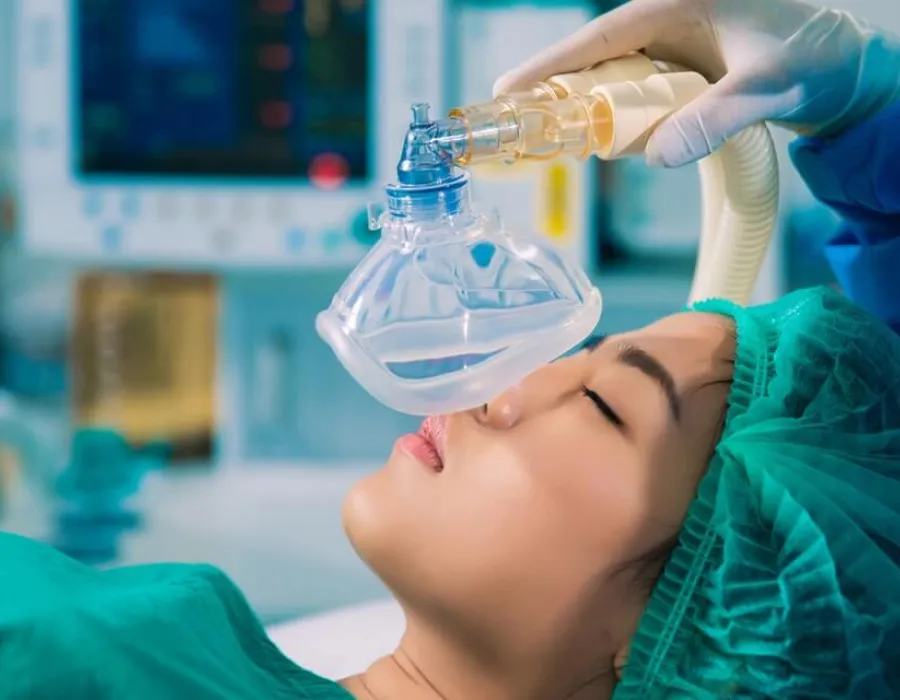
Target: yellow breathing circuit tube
{"x": 610, "y": 111}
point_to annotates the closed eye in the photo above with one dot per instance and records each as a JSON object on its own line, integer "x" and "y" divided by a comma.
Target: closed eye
{"x": 604, "y": 408}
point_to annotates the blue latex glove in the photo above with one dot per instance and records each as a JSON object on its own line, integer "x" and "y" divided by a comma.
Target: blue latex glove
{"x": 814, "y": 70}
{"x": 858, "y": 175}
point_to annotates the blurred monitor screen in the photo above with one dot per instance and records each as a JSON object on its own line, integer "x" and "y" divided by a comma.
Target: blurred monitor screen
{"x": 212, "y": 88}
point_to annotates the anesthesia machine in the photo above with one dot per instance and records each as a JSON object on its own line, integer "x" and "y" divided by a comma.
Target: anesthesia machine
{"x": 243, "y": 140}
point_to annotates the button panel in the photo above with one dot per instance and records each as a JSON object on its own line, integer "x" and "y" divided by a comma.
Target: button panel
{"x": 208, "y": 225}
{"x": 296, "y": 240}
{"x": 111, "y": 239}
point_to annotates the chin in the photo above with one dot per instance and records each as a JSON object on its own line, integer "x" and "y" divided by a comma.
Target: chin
{"x": 364, "y": 519}
{"x": 377, "y": 526}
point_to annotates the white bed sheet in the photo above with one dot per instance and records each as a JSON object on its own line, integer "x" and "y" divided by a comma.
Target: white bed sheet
{"x": 342, "y": 642}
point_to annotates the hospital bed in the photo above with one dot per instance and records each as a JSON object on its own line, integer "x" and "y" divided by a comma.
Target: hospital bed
{"x": 343, "y": 642}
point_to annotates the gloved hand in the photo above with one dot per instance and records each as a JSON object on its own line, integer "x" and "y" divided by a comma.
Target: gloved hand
{"x": 814, "y": 70}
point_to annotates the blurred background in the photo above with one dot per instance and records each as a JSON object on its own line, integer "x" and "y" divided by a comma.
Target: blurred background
{"x": 183, "y": 186}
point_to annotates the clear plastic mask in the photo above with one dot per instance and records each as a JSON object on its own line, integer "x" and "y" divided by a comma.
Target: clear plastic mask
{"x": 449, "y": 308}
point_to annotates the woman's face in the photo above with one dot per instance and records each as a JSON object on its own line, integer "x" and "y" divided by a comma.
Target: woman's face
{"x": 547, "y": 498}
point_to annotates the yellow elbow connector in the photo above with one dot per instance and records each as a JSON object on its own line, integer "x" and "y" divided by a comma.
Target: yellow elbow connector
{"x": 610, "y": 111}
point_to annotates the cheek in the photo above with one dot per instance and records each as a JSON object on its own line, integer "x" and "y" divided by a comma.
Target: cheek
{"x": 607, "y": 495}
{"x": 647, "y": 504}
{"x": 678, "y": 471}
{"x": 625, "y": 506}
{"x": 503, "y": 496}
{"x": 602, "y": 496}
{"x": 550, "y": 492}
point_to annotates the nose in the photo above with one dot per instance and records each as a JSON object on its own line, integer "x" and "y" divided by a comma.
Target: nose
{"x": 506, "y": 410}
{"x": 541, "y": 390}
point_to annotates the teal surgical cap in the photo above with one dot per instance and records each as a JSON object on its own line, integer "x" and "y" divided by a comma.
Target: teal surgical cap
{"x": 786, "y": 579}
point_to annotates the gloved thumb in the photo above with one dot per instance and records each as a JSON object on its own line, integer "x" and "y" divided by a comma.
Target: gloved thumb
{"x": 702, "y": 126}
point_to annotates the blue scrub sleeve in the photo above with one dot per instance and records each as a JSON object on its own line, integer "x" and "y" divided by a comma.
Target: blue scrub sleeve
{"x": 858, "y": 175}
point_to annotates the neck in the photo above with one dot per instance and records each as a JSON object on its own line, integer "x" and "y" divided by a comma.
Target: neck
{"x": 394, "y": 677}
{"x": 422, "y": 671}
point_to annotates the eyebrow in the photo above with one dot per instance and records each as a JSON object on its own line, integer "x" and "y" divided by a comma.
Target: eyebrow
{"x": 641, "y": 360}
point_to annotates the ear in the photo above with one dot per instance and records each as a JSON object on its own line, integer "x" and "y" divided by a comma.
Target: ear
{"x": 619, "y": 661}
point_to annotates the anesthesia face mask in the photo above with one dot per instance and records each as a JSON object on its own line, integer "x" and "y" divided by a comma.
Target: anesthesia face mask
{"x": 450, "y": 308}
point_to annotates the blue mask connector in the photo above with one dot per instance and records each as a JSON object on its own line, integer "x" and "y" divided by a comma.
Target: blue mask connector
{"x": 429, "y": 186}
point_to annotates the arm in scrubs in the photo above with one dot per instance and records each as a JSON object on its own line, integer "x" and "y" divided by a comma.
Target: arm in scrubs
{"x": 157, "y": 632}
{"x": 858, "y": 175}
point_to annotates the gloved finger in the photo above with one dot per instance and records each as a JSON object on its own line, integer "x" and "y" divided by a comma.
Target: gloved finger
{"x": 702, "y": 126}
{"x": 627, "y": 28}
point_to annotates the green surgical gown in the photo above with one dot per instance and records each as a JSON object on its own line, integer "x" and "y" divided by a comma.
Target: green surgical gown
{"x": 154, "y": 632}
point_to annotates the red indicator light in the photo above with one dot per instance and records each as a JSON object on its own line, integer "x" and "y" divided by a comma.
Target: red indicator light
{"x": 276, "y": 7}
{"x": 276, "y": 57}
{"x": 329, "y": 171}
{"x": 276, "y": 115}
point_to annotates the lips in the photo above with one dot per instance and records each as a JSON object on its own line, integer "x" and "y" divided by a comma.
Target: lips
{"x": 422, "y": 451}
{"x": 434, "y": 430}
{"x": 427, "y": 445}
